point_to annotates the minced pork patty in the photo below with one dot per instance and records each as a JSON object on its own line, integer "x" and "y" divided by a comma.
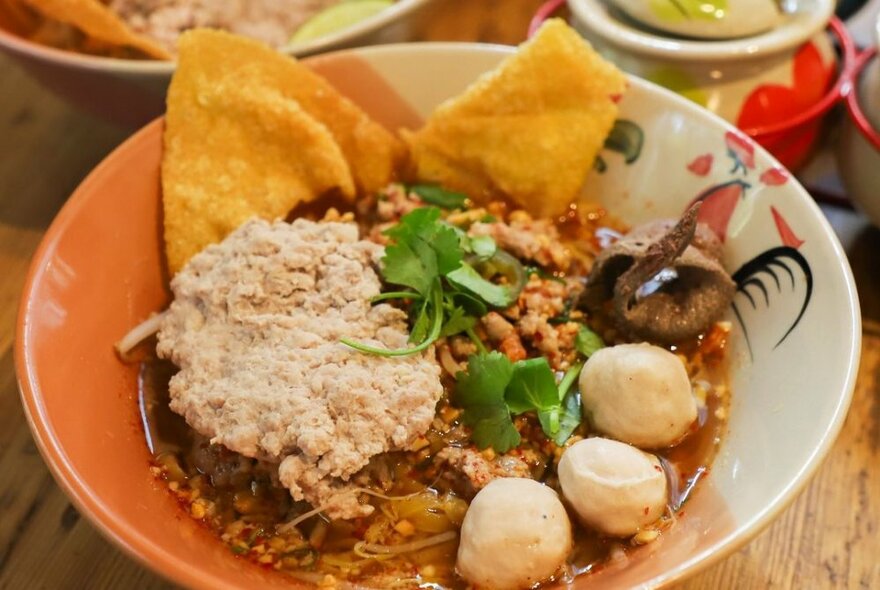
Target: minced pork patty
{"x": 255, "y": 327}
{"x": 270, "y": 21}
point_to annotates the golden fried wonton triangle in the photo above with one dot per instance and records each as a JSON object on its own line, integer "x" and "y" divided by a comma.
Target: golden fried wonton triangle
{"x": 371, "y": 151}
{"x": 529, "y": 129}
{"x": 237, "y": 146}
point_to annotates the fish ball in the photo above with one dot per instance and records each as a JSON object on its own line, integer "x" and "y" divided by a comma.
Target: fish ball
{"x": 515, "y": 533}
{"x": 613, "y": 487}
{"x": 639, "y": 394}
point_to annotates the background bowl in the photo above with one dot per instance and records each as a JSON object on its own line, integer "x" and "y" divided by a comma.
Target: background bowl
{"x": 777, "y": 85}
{"x": 704, "y": 19}
{"x": 132, "y": 92}
{"x": 858, "y": 156}
{"x": 795, "y": 344}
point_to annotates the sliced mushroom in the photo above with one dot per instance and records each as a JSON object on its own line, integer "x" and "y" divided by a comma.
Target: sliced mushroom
{"x": 664, "y": 279}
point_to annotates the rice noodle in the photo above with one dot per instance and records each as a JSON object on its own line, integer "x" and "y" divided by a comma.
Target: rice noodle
{"x": 139, "y": 333}
{"x": 449, "y": 364}
{"x": 366, "y": 549}
{"x": 381, "y": 496}
{"x": 288, "y": 526}
{"x": 332, "y": 560}
{"x": 387, "y": 509}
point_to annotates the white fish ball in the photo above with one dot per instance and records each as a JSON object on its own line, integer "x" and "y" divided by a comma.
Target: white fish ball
{"x": 613, "y": 487}
{"x": 639, "y": 394}
{"x": 515, "y": 533}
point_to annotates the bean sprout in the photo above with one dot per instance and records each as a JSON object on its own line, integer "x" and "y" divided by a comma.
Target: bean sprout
{"x": 366, "y": 549}
{"x": 139, "y": 333}
{"x": 288, "y": 526}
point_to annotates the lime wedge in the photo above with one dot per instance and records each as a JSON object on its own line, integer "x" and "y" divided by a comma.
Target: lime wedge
{"x": 338, "y": 17}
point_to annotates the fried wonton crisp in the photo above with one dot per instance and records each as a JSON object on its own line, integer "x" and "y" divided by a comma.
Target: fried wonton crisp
{"x": 237, "y": 147}
{"x": 530, "y": 129}
{"x": 18, "y": 18}
{"x": 99, "y": 22}
{"x": 372, "y": 152}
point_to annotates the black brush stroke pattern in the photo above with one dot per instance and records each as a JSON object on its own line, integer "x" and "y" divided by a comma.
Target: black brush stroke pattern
{"x": 751, "y": 274}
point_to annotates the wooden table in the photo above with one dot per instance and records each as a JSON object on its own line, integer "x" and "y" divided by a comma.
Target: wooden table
{"x": 827, "y": 539}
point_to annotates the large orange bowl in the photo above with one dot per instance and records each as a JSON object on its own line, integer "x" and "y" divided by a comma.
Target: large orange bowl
{"x": 795, "y": 348}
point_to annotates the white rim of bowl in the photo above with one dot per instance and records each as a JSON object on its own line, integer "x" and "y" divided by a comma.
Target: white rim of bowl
{"x": 84, "y": 61}
{"x": 594, "y": 15}
{"x": 877, "y": 31}
{"x": 142, "y": 550}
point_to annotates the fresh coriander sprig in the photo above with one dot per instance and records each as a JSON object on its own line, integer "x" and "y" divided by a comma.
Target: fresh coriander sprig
{"x": 438, "y": 196}
{"x": 480, "y": 392}
{"x": 494, "y": 388}
{"x": 436, "y": 326}
{"x": 446, "y": 294}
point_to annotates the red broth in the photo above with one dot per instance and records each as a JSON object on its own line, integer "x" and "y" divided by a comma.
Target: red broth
{"x": 242, "y": 502}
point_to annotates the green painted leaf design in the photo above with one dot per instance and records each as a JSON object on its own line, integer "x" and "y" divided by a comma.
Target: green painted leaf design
{"x": 626, "y": 138}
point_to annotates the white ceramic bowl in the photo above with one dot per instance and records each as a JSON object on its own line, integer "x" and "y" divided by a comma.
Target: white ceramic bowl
{"x": 861, "y": 23}
{"x": 794, "y": 350}
{"x": 132, "y": 92}
{"x": 858, "y": 158}
{"x": 754, "y": 82}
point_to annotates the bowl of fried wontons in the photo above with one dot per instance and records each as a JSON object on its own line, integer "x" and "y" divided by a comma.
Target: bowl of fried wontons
{"x": 552, "y": 131}
{"x": 115, "y": 59}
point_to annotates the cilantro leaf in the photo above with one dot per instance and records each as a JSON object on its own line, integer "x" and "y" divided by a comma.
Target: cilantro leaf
{"x": 549, "y": 419}
{"x": 443, "y": 294}
{"x": 424, "y": 249}
{"x": 532, "y": 387}
{"x": 485, "y": 381}
{"x": 570, "y": 418}
{"x": 435, "y": 195}
{"x": 412, "y": 223}
{"x": 445, "y": 244}
{"x": 491, "y": 426}
{"x": 433, "y": 309}
{"x": 402, "y": 266}
{"x": 480, "y": 393}
{"x": 570, "y": 408}
{"x": 493, "y": 388}
{"x": 422, "y": 323}
{"x": 457, "y": 322}
{"x": 588, "y": 342}
{"x": 469, "y": 279}
{"x": 471, "y": 304}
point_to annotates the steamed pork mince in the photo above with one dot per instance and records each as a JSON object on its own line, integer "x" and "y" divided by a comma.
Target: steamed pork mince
{"x": 255, "y": 328}
{"x": 374, "y": 376}
{"x": 237, "y": 111}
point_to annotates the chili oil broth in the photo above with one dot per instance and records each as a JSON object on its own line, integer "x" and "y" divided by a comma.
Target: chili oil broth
{"x": 243, "y": 503}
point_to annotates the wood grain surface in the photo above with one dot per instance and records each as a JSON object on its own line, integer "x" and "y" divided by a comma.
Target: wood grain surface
{"x": 829, "y": 538}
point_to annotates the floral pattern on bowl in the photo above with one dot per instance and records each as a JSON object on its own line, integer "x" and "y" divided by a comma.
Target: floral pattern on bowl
{"x": 724, "y": 205}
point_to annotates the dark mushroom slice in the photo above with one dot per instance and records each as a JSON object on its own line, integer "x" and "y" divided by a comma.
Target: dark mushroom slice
{"x": 664, "y": 279}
